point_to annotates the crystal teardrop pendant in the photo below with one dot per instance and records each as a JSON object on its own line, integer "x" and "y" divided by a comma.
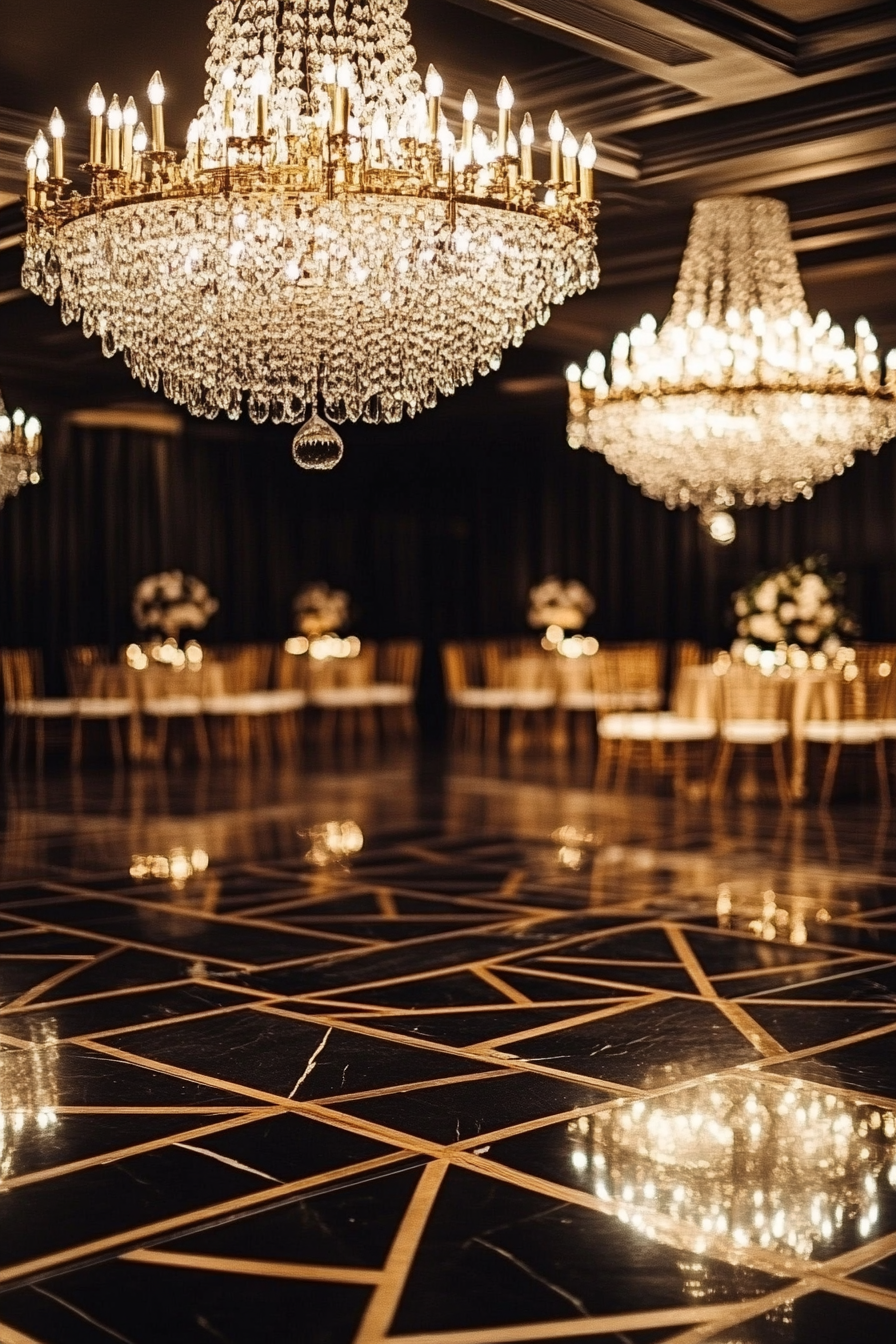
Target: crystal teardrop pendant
{"x": 317, "y": 446}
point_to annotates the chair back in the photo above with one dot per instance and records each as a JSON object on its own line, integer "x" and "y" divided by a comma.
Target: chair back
{"x": 23, "y": 677}
{"x": 454, "y": 668}
{"x": 686, "y": 653}
{"x": 747, "y": 694}
{"x": 247, "y": 667}
{"x": 87, "y": 671}
{"x": 641, "y": 667}
{"x": 290, "y": 670}
{"x": 623, "y": 675}
{"x": 398, "y": 662}
{"x": 867, "y": 697}
{"x": 331, "y": 673}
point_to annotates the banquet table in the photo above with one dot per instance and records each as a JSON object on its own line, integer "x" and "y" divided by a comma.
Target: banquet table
{"x": 810, "y": 694}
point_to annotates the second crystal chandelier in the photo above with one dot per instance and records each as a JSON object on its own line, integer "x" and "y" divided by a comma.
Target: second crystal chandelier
{"x": 740, "y": 397}
{"x": 326, "y": 241}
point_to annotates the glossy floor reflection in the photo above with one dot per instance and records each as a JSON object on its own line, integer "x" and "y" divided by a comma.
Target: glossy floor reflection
{"x": 411, "y": 1053}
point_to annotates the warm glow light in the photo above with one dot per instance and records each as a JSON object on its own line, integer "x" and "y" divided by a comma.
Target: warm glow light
{"x": 504, "y": 96}
{"x": 555, "y": 128}
{"x": 752, "y": 404}
{"x": 96, "y": 103}
{"x": 346, "y": 174}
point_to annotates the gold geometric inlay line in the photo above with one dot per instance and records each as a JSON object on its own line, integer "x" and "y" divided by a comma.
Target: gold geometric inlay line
{"x": 273, "y": 1269}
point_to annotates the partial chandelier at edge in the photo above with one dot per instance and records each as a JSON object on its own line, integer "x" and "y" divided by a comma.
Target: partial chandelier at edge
{"x": 740, "y": 397}
{"x": 325, "y": 241}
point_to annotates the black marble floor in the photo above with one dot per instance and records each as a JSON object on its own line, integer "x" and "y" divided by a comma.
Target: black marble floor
{"x": 412, "y": 1053}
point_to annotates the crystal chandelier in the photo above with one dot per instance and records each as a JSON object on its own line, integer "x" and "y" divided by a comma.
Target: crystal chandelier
{"x": 20, "y": 440}
{"x": 325, "y": 242}
{"x": 739, "y": 398}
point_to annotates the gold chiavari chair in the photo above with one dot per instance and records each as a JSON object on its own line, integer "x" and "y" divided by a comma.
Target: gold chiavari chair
{"x": 395, "y": 689}
{"x": 100, "y": 693}
{"x": 475, "y": 706}
{"x": 752, "y": 716}
{"x": 864, "y": 704}
{"x": 240, "y": 712}
{"x": 621, "y": 733}
{"x": 529, "y": 678}
{"x": 166, "y": 696}
{"x": 24, "y": 702}
{"x": 339, "y": 690}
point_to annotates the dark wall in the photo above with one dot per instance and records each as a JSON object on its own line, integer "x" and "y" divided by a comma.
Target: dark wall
{"x": 436, "y": 527}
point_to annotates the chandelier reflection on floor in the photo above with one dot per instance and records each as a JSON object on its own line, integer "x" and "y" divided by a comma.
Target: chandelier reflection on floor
{"x": 740, "y": 397}
{"x": 20, "y": 441}
{"x": 325, "y": 240}
{"x": 734, "y": 1164}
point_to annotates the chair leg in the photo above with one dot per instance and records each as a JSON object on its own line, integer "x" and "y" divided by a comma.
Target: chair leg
{"x": 604, "y": 767}
{"x": 9, "y": 734}
{"x": 40, "y": 738}
{"x": 679, "y": 769}
{"x": 880, "y": 759}
{"x": 201, "y": 734}
{"x": 830, "y": 772}
{"x": 77, "y": 742}
{"x": 624, "y": 761}
{"x": 781, "y": 773}
{"x": 161, "y": 737}
{"x": 722, "y": 770}
{"x": 115, "y": 737}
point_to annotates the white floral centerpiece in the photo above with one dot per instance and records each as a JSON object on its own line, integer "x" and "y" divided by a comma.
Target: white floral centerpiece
{"x": 320, "y": 610}
{"x": 801, "y": 605}
{"x": 171, "y": 602}
{"x": 554, "y": 602}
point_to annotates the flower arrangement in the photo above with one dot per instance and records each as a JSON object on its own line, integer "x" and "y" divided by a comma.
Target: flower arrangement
{"x": 320, "y": 610}
{"x": 171, "y": 602}
{"x": 553, "y": 602}
{"x": 800, "y": 605}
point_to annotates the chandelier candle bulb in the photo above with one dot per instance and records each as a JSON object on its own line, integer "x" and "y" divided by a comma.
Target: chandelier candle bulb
{"x": 344, "y": 78}
{"x": 260, "y": 87}
{"x": 31, "y": 178}
{"x": 556, "y": 133}
{"x": 194, "y": 136}
{"x": 156, "y": 94}
{"x": 434, "y": 88}
{"x": 141, "y": 140}
{"x": 228, "y": 80}
{"x": 504, "y": 99}
{"x": 587, "y": 160}
{"x": 513, "y": 166}
{"x": 57, "y": 135}
{"x": 129, "y": 121}
{"x": 569, "y": 149}
{"x": 96, "y": 106}
{"x": 113, "y": 134}
{"x": 470, "y": 112}
{"x": 527, "y": 139}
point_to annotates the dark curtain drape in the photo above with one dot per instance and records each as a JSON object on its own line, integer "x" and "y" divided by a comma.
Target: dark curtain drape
{"x": 437, "y": 527}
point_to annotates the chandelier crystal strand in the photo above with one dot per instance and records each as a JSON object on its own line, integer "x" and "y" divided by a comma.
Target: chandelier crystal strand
{"x": 20, "y": 444}
{"x": 325, "y": 241}
{"x": 740, "y": 398}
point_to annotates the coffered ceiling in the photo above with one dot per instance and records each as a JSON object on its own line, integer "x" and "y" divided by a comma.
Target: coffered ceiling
{"x": 685, "y": 98}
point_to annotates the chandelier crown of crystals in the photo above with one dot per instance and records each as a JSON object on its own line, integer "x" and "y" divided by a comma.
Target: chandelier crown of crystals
{"x": 325, "y": 240}
{"x": 740, "y": 397}
{"x": 20, "y": 444}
